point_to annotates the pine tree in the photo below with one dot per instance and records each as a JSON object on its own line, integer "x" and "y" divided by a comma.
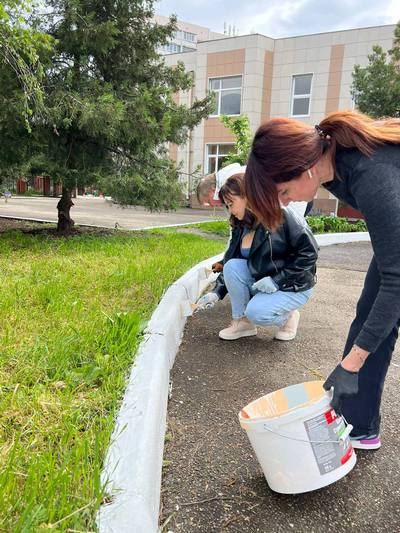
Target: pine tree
{"x": 111, "y": 110}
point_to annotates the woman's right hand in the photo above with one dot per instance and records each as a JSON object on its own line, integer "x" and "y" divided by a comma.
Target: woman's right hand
{"x": 217, "y": 267}
{"x": 208, "y": 300}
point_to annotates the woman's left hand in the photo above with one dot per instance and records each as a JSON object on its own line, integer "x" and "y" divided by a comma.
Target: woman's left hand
{"x": 344, "y": 383}
{"x": 344, "y": 378}
{"x": 266, "y": 285}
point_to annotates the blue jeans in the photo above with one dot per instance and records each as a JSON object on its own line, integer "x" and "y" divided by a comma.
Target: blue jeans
{"x": 260, "y": 308}
{"x": 362, "y": 409}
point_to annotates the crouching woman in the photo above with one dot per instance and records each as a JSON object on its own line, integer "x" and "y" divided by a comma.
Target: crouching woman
{"x": 268, "y": 275}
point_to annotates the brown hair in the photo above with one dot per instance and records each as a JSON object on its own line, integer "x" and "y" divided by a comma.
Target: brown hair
{"x": 234, "y": 186}
{"x": 283, "y": 148}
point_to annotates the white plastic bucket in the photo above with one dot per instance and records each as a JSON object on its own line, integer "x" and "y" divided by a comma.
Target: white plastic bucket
{"x": 300, "y": 442}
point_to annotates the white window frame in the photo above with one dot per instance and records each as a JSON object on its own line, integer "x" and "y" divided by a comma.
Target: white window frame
{"x": 207, "y": 156}
{"x": 219, "y": 91}
{"x": 299, "y": 96}
{"x": 172, "y": 48}
{"x": 189, "y": 36}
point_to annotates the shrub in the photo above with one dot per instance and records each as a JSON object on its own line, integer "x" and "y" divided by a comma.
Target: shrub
{"x": 329, "y": 224}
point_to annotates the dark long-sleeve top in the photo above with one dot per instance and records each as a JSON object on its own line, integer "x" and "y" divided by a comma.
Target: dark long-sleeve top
{"x": 288, "y": 255}
{"x": 372, "y": 185}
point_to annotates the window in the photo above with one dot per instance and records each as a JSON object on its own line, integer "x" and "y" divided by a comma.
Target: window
{"x": 228, "y": 95}
{"x": 187, "y": 36}
{"x": 216, "y": 155}
{"x": 301, "y": 95}
{"x": 172, "y": 48}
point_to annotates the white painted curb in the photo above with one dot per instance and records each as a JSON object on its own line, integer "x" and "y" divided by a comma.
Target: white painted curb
{"x": 133, "y": 464}
{"x": 132, "y": 471}
{"x": 326, "y": 239}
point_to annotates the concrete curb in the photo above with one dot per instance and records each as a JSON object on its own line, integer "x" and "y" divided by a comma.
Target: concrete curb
{"x": 132, "y": 472}
{"x": 327, "y": 239}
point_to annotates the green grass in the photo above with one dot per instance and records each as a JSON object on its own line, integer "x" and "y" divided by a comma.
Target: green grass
{"x": 71, "y": 314}
{"x": 220, "y": 228}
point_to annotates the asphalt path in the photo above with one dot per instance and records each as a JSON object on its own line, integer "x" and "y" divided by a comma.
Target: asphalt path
{"x": 102, "y": 212}
{"x": 212, "y": 481}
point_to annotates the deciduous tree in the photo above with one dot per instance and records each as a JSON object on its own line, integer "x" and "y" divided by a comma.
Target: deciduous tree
{"x": 376, "y": 87}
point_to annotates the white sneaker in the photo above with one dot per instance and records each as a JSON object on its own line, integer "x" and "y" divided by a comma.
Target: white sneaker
{"x": 239, "y": 328}
{"x": 288, "y": 331}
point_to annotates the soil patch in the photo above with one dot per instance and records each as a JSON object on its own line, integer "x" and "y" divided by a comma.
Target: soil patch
{"x": 50, "y": 230}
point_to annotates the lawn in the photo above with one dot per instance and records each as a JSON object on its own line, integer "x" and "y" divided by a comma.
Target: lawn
{"x": 220, "y": 228}
{"x": 71, "y": 312}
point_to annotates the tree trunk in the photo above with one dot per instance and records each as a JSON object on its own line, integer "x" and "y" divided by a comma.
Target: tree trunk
{"x": 65, "y": 222}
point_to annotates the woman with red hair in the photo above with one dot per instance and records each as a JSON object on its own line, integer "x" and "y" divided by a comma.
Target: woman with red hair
{"x": 358, "y": 160}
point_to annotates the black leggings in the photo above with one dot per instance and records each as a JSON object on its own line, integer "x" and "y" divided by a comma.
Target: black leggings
{"x": 362, "y": 410}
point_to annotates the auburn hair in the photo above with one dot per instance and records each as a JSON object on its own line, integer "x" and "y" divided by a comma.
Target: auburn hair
{"x": 283, "y": 148}
{"x": 234, "y": 186}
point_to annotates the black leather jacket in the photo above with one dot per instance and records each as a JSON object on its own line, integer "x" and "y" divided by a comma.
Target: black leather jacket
{"x": 288, "y": 255}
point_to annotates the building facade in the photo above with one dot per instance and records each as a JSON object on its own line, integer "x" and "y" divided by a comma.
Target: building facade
{"x": 302, "y": 77}
{"x": 186, "y": 36}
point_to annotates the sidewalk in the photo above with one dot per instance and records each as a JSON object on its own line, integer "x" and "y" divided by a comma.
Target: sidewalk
{"x": 103, "y": 213}
{"x": 213, "y": 482}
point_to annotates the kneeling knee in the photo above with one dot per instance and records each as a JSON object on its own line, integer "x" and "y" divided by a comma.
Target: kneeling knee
{"x": 233, "y": 268}
{"x": 260, "y": 318}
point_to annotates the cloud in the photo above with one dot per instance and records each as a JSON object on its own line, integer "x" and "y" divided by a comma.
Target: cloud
{"x": 283, "y": 18}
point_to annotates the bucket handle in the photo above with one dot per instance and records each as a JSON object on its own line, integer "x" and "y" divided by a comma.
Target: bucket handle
{"x": 340, "y": 440}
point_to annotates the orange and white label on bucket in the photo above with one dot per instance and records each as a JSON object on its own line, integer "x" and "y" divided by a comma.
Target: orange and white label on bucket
{"x": 324, "y": 433}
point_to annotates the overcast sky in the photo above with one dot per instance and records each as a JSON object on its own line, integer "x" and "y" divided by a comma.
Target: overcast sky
{"x": 283, "y": 18}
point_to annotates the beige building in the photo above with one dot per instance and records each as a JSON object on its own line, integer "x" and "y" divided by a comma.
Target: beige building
{"x": 303, "y": 77}
{"x": 186, "y": 36}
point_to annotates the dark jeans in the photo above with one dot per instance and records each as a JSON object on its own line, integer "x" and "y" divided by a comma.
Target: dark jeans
{"x": 362, "y": 410}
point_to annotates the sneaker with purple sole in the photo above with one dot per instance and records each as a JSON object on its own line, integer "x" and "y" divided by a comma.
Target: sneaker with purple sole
{"x": 366, "y": 443}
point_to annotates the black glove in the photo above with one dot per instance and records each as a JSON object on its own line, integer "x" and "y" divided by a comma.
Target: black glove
{"x": 344, "y": 383}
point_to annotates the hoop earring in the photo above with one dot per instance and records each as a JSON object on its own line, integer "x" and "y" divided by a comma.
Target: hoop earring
{"x": 309, "y": 174}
